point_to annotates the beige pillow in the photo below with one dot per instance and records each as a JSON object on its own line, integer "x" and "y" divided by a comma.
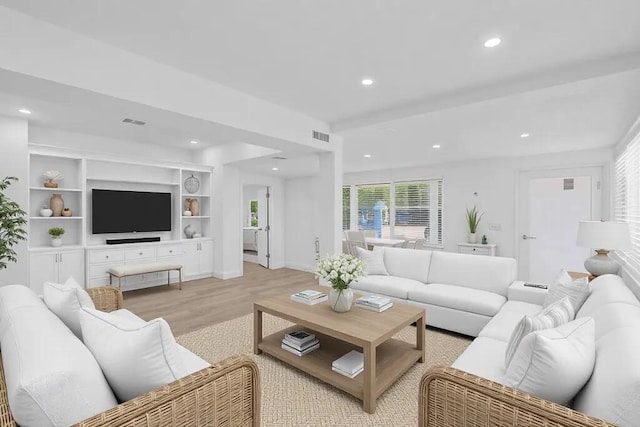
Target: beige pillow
{"x": 373, "y": 261}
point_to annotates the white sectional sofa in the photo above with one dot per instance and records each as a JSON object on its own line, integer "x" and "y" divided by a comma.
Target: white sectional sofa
{"x": 460, "y": 292}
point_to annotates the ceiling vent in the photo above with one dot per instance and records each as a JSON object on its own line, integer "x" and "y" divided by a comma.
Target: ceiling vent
{"x": 279, "y": 158}
{"x": 320, "y": 136}
{"x": 134, "y": 122}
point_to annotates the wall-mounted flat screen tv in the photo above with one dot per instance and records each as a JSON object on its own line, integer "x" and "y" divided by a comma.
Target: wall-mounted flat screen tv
{"x": 116, "y": 211}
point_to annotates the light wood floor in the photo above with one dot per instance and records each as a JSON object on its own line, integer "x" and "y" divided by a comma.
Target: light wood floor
{"x": 204, "y": 302}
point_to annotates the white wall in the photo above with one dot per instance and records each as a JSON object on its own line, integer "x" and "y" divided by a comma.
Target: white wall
{"x": 495, "y": 181}
{"x": 14, "y": 137}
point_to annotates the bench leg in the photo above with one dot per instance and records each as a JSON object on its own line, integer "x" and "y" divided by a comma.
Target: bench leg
{"x": 168, "y": 277}
{"x": 120, "y": 284}
{"x": 110, "y": 279}
{"x": 180, "y": 277}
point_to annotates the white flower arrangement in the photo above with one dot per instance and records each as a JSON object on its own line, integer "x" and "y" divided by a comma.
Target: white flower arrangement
{"x": 52, "y": 176}
{"x": 340, "y": 270}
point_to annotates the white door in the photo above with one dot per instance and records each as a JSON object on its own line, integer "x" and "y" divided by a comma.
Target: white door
{"x": 263, "y": 227}
{"x": 551, "y": 203}
{"x": 71, "y": 264}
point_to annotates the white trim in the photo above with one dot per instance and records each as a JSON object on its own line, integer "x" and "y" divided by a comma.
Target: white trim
{"x": 628, "y": 137}
{"x": 301, "y": 267}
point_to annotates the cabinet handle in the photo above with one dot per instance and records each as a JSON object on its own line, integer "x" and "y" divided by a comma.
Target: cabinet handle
{"x": 60, "y": 257}
{"x": 56, "y": 257}
{"x": 107, "y": 257}
{"x": 170, "y": 251}
{"x": 140, "y": 253}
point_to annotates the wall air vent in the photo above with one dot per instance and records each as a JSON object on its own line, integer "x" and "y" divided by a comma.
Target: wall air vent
{"x": 279, "y": 158}
{"x": 134, "y": 122}
{"x": 320, "y": 136}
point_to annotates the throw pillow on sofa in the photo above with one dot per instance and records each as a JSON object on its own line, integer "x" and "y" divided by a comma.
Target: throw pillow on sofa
{"x": 554, "y": 315}
{"x": 135, "y": 358}
{"x": 65, "y": 301}
{"x": 373, "y": 261}
{"x": 554, "y": 364}
{"x": 564, "y": 285}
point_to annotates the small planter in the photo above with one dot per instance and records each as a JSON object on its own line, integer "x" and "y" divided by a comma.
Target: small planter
{"x": 56, "y": 241}
{"x": 473, "y": 238}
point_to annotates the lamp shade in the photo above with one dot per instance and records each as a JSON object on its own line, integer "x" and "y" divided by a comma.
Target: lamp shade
{"x": 607, "y": 235}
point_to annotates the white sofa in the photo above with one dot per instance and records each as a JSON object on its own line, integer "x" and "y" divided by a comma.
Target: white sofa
{"x": 613, "y": 390}
{"x": 460, "y": 292}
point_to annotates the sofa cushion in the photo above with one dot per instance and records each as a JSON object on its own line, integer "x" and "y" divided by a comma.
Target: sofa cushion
{"x": 556, "y": 314}
{"x": 397, "y": 287}
{"x": 15, "y": 296}
{"x": 65, "y": 301}
{"x": 606, "y": 289}
{"x": 408, "y": 263}
{"x": 52, "y": 378}
{"x": 564, "y": 285}
{"x": 373, "y": 261}
{"x": 135, "y": 358}
{"x": 554, "y": 364}
{"x": 459, "y": 298}
{"x": 484, "y": 357}
{"x": 503, "y": 323}
{"x": 490, "y": 274}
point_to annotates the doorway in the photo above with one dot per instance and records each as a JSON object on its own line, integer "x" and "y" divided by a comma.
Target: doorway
{"x": 256, "y": 225}
{"x": 550, "y": 205}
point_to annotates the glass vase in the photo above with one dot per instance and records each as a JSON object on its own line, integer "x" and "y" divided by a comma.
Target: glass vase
{"x": 341, "y": 300}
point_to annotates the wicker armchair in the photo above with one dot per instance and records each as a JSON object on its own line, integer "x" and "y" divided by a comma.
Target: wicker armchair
{"x": 225, "y": 394}
{"x": 450, "y": 397}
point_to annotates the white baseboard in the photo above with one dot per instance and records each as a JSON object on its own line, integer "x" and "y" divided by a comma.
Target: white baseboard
{"x": 224, "y": 275}
{"x": 301, "y": 267}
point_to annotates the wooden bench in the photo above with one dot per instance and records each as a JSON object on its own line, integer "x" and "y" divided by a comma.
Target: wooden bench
{"x": 151, "y": 267}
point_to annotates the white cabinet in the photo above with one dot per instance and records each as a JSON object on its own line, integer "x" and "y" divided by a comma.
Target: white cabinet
{"x": 197, "y": 259}
{"x": 55, "y": 266}
{"x": 477, "y": 249}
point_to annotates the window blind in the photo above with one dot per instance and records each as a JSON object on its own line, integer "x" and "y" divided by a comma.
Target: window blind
{"x": 373, "y": 198}
{"x": 346, "y": 207}
{"x": 626, "y": 206}
{"x": 418, "y": 210}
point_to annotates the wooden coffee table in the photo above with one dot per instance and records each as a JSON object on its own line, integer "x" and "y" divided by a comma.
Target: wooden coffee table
{"x": 385, "y": 358}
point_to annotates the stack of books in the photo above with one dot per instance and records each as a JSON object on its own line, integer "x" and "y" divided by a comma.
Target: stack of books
{"x": 309, "y": 297}
{"x": 349, "y": 365}
{"x": 374, "y": 303}
{"x": 300, "y": 342}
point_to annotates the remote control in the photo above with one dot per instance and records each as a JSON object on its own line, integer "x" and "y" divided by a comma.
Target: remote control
{"x": 536, "y": 285}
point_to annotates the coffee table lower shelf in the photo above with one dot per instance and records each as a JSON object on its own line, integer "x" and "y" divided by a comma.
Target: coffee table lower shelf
{"x": 393, "y": 358}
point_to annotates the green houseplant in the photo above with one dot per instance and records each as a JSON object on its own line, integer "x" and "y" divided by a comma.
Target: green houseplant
{"x": 473, "y": 219}
{"x": 340, "y": 270}
{"x": 56, "y": 235}
{"x": 12, "y": 222}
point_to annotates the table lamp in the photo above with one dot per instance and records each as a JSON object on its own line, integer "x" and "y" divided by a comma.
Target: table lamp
{"x": 607, "y": 236}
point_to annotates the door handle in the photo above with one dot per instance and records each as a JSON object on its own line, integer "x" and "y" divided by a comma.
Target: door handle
{"x": 525, "y": 237}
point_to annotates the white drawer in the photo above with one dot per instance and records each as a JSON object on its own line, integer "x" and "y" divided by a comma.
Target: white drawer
{"x": 100, "y": 270}
{"x": 141, "y": 253}
{"x": 107, "y": 255}
{"x": 474, "y": 251}
{"x": 99, "y": 281}
{"x": 169, "y": 250}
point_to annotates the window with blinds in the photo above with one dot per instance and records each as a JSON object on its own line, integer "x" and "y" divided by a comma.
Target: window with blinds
{"x": 627, "y": 201}
{"x": 346, "y": 207}
{"x": 418, "y": 210}
{"x": 373, "y": 207}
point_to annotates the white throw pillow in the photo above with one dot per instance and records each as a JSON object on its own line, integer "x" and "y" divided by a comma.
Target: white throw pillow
{"x": 554, "y": 364}
{"x": 373, "y": 261}
{"x": 556, "y": 314}
{"x": 564, "y": 285}
{"x": 135, "y": 358}
{"x": 66, "y": 301}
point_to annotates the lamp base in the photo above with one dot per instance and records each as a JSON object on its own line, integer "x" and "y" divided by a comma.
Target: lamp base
{"x": 600, "y": 264}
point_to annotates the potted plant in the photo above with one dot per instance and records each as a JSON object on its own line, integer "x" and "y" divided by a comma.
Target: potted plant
{"x": 473, "y": 219}
{"x": 51, "y": 178}
{"x": 12, "y": 221}
{"x": 340, "y": 270}
{"x": 56, "y": 236}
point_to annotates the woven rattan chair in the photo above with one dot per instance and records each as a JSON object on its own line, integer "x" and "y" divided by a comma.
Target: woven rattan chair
{"x": 451, "y": 397}
{"x": 225, "y": 394}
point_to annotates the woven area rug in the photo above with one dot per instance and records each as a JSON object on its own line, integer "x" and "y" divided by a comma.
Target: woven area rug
{"x": 292, "y": 398}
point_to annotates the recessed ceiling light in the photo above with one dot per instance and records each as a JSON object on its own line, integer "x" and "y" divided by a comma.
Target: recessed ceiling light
{"x": 524, "y": 135}
{"x": 367, "y": 81}
{"x": 368, "y": 156}
{"x": 193, "y": 142}
{"x": 274, "y": 169}
{"x": 492, "y": 42}
{"x": 24, "y": 111}
{"x": 436, "y": 146}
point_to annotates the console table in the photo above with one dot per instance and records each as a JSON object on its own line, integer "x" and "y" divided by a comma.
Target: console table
{"x": 478, "y": 249}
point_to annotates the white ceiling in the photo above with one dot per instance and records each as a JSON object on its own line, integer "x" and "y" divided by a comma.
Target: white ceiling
{"x": 564, "y": 72}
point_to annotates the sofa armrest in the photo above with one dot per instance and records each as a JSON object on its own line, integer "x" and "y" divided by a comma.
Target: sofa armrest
{"x": 106, "y": 298}
{"x": 519, "y": 292}
{"x": 227, "y": 393}
{"x": 449, "y": 396}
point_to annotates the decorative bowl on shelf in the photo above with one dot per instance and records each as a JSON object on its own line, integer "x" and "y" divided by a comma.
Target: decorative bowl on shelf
{"x": 186, "y": 213}
{"x": 45, "y": 211}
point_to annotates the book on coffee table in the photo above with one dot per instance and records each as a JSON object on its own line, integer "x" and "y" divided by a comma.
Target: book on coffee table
{"x": 350, "y": 365}
{"x": 303, "y": 352}
{"x": 376, "y": 301}
{"x": 309, "y": 297}
{"x": 372, "y": 308}
{"x": 300, "y": 337}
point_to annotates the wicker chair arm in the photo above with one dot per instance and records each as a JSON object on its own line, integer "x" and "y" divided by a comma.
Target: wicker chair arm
{"x": 227, "y": 393}
{"x": 451, "y": 397}
{"x": 106, "y": 298}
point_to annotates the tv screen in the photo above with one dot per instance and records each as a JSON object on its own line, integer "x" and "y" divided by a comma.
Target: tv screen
{"x": 115, "y": 211}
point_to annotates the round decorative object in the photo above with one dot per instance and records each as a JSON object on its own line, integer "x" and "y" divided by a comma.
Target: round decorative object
{"x": 194, "y": 207}
{"x": 45, "y": 211}
{"x": 49, "y": 184}
{"x": 189, "y": 231}
{"x": 341, "y": 300}
{"x": 66, "y": 212}
{"x": 192, "y": 184}
{"x": 56, "y": 204}
{"x": 186, "y": 213}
